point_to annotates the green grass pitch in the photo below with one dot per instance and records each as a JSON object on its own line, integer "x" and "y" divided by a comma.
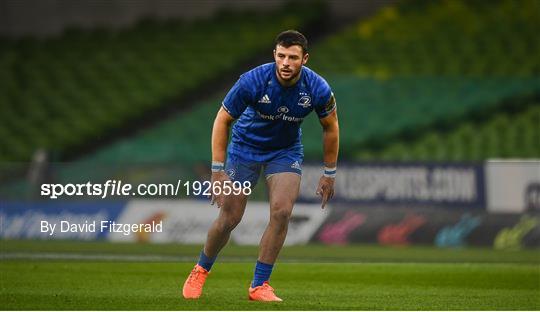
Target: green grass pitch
{"x": 98, "y": 276}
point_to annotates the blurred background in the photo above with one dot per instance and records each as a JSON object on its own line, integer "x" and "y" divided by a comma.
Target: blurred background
{"x": 438, "y": 101}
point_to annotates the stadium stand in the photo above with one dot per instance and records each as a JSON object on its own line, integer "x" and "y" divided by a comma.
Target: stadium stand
{"x": 408, "y": 102}
{"x": 441, "y": 38}
{"x": 384, "y": 91}
{"x": 65, "y": 92}
{"x": 419, "y": 68}
{"x": 502, "y": 135}
{"x": 420, "y": 80}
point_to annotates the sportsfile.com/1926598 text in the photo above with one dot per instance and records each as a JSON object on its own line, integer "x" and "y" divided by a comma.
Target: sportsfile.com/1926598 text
{"x": 118, "y": 188}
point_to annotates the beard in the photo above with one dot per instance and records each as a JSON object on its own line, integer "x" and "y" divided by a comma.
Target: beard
{"x": 291, "y": 75}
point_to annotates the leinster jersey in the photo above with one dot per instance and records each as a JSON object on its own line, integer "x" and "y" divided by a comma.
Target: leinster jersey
{"x": 269, "y": 115}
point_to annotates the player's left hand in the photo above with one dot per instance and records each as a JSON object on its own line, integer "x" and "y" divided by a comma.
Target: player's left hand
{"x": 325, "y": 189}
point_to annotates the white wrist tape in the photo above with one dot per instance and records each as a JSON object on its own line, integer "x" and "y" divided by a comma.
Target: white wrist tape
{"x": 217, "y": 166}
{"x": 330, "y": 172}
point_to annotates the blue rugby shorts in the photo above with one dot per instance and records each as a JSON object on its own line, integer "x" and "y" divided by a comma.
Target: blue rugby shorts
{"x": 243, "y": 165}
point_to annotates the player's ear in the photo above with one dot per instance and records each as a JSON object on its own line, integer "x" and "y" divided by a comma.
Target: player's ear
{"x": 305, "y": 58}
{"x": 274, "y": 53}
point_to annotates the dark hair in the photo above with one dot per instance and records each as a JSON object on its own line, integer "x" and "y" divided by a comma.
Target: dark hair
{"x": 292, "y": 37}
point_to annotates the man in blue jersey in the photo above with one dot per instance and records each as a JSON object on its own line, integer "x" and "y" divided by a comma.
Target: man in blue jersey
{"x": 268, "y": 103}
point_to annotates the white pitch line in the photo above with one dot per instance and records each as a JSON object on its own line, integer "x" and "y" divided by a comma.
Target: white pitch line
{"x": 108, "y": 257}
{"x": 132, "y": 257}
{"x": 191, "y": 259}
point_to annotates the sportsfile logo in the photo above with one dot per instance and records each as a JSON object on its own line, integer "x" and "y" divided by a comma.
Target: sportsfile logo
{"x": 112, "y": 188}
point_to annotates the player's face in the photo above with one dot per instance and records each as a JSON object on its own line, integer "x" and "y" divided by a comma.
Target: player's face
{"x": 289, "y": 62}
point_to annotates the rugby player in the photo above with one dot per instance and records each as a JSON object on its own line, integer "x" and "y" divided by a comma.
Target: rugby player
{"x": 268, "y": 103}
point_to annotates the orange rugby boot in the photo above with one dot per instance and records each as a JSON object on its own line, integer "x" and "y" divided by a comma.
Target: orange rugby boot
{"x": 195, "y": 282}
{"x": 263, "y": 293}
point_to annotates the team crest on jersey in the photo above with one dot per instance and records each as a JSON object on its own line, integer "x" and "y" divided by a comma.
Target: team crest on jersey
{"x": 283, "y": 109}
{"x": 305, "y": 101}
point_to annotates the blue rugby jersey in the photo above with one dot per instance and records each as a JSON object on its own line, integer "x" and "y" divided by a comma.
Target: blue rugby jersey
{"x": 269, "y": 115}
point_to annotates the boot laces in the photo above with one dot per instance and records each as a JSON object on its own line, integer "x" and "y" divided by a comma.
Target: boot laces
{"x": 195, "y": 277}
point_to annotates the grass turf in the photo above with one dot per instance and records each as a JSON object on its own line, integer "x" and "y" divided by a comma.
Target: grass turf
{"x": 395, "y": 279}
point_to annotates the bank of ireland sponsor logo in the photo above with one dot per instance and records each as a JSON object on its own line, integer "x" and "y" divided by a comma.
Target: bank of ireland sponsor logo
{"x": 280, "y": 115}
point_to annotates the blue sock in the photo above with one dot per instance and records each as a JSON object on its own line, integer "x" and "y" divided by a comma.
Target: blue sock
{"x": 262, "y": 273}
{"x": 206, "y": 262}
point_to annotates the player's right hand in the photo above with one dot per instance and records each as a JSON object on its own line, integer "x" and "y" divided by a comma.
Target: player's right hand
{"x": 218, "y": 178}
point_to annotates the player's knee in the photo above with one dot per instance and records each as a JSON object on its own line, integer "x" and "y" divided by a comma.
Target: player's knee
{"x": 281, "y": 213}
{"x": 229, "y": 222}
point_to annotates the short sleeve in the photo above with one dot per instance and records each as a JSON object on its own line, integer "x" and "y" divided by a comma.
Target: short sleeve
{"x": 237, "y": 100}
{"x": 326, "y": 102}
